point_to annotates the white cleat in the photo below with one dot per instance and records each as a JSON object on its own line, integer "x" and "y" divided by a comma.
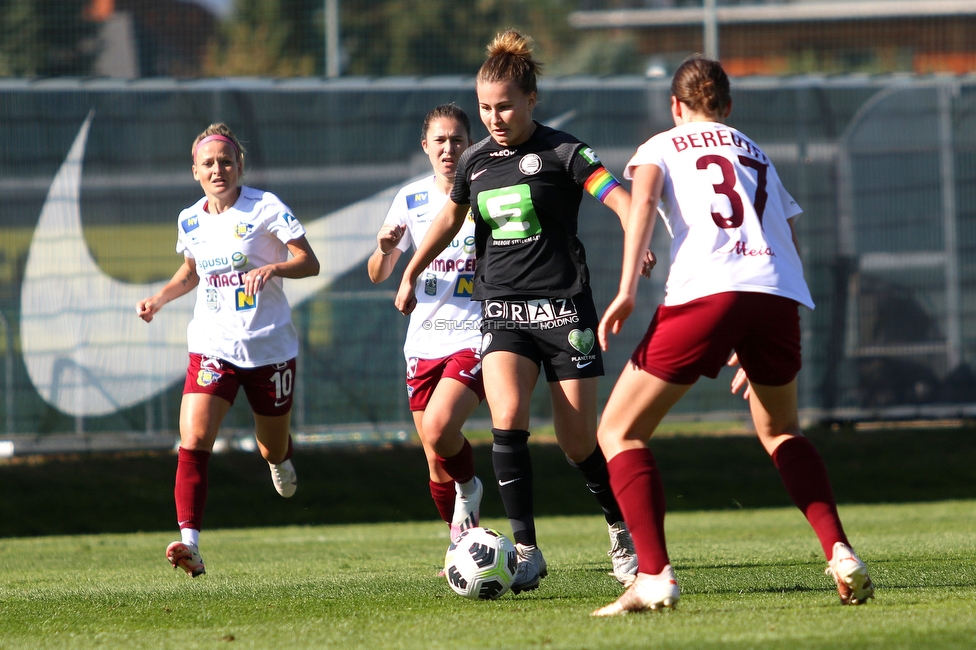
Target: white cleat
{"x": 648, "y": 592}
{"x": 623, "y": 557}
{"x": 186, "y": 557}
{"x": 854, "y": 585}
{"x": 467, "y": 509}
{"x": 284, "y": 477}
{"x": 531, "y": 568}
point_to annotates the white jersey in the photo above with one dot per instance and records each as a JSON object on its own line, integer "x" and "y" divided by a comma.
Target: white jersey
{"x": 247, "y": 331}
{"x": 727, "y": 212}
{"x": 445, "y": 320}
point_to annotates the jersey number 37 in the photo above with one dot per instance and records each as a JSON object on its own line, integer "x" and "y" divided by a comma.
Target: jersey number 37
{"x": 727, "y": 188}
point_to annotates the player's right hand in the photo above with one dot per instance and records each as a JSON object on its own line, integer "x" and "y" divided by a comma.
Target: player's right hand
{"x": 406, "y": 298}
{"x": 389, "y": 236}
{"x": 146, "y": 309}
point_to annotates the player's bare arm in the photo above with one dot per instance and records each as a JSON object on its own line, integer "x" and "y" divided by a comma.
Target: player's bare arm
{"x": 384, "y": 258}
{"x": 445, "y": 226}
{"x": 184, "y": 281}
{"x": 648, "y": 184}
{"x": 619, "y": 201}
{"x": 301, "y": 264}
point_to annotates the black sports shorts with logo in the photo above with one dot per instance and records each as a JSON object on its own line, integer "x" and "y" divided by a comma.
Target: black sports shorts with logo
{"x": 559, "y": 333}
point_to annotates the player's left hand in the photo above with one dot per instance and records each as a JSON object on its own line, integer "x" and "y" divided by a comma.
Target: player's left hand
{"x": 406, "y": 298}
{"x": 255, "y": 279}
{"x": 740, "y": 380}
{"x": 613, "y": 319}
{"x": 650, "y": 261}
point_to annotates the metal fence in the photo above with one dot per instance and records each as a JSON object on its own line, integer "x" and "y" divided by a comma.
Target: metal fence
{"x": 93, "y": 174}
{"x": 132, "y": 39}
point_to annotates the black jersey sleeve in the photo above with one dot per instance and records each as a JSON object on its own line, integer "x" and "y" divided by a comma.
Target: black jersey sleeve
{"x": 588, "y": 171}
{"x": 583, "y": 163}
{"x": 461, "y": 192}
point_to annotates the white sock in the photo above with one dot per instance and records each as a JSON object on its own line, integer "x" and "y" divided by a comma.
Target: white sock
{"x": 467, "y": 488}
{"x": 191, "y": 536}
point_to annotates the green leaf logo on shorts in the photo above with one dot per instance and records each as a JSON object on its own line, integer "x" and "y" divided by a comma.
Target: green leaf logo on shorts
{"x": 582, "y": 341}
{"x": 510, "y": 212}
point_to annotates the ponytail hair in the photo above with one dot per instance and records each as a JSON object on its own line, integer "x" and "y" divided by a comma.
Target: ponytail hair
{"x": 702, "y": 84}
{"x": 510, "y": 60}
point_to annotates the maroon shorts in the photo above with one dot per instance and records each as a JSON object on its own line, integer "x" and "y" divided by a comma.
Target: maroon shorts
{"x": 269, "y": 389}
{"x": 423, "y": 375}
{"x": 687, "y": 341}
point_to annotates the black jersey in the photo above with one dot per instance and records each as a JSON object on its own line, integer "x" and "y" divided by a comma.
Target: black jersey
{"x": 525, "y": 201}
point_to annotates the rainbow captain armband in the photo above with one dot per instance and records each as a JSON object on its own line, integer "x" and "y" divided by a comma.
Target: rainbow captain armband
{"x": 600, "y": 183}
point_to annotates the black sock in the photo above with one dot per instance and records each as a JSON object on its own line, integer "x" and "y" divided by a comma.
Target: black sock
{"x": 594, "y": 470}
{"x": 513, "y": 470}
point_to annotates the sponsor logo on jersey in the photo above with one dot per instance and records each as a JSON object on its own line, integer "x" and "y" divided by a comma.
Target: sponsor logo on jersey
{"x": 213, "y": 263}
{"x": 238, "y": 260}
{"x": 243, "y": 302}
{"x": 589, "y": 155}
{"x": 206, "y": 376}
{"x": 288, "y": 218}
{"x": 190, "y": 223}
{"x": 464, "y": 287}
{"x": 742, "y": 248}
{"x": 449, "y": 264}
{"x": 530, "y": 164}
{"x": 469, "y": 217}
{"x": 510, "y": 213}
{"x": 478, "y": 173}
{"x": 467, "y": 244}
{"x": 233, "y": 279}
{"x": 416, "y": 200}
{"x": 242, "y": 229}
{"x": 412, "y": 367}
{"x": 213, "y": 300}
{"x": 504, "y": 153}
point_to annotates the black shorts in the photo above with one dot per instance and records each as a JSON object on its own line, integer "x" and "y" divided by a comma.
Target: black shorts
{"x": 559, "y": 333}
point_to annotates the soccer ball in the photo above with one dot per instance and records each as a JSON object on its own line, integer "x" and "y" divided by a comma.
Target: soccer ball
{"x": 480, "y": 564}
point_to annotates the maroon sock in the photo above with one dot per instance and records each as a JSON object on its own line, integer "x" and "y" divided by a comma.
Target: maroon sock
{"x": 805, "y": 477}
{"x": 191, "y": 487}
{"x": 443, "y": 494}
{"x": 640, "y": 493}
{"x": 460, "y": 466}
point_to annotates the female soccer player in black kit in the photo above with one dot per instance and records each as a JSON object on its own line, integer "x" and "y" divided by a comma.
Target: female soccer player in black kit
{"x": 524, "y": 184}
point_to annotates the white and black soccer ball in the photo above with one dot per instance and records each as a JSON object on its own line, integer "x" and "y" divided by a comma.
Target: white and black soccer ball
{"x": 481, "y": 564}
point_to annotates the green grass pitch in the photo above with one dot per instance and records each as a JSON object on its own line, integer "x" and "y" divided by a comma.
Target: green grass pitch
{"x": 749, "y": 579}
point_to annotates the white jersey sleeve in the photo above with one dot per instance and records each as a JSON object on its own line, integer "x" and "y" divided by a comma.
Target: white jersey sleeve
{"x": 727, "y": 212}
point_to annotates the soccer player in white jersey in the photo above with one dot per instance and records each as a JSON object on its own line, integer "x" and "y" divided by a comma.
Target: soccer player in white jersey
{"x": 735, "y": 284}
{"x": 235, "y": 243}
{"x": 443, "y": 341}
